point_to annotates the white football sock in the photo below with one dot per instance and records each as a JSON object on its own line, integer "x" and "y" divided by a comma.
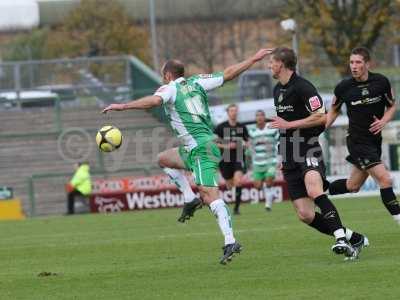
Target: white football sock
{"x": 397, "y": 218}
{"x": 348, "y": 233}
{"x": 256, "y": 199}
{"x": 221, "y": 211}
{"x": 339, "y": 233}
{"x": 268, "y": 196}
{"x": 233, "y": 191}
{"x": 180, "y": 180}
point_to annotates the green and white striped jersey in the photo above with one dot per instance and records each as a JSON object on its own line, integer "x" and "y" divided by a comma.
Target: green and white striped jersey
{"x": 186, "y": 104}
{"x": 264, "y": 145}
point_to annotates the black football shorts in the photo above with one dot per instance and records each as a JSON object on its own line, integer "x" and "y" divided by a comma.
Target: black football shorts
{"x": 294, "y": 176}
{"x": 228, "y": 169}
{"x": 364, "y": 155}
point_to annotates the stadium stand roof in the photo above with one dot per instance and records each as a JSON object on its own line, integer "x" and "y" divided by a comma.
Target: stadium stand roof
{"x": 18, "y": 14}
{"x": 53, "y": 11}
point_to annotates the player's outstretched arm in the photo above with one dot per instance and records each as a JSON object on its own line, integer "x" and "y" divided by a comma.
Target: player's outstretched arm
{"x": 142, "y": 103}
{"x": 234, "y": 70}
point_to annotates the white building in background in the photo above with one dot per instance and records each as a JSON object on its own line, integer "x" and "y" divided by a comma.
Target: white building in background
{"x": 18, "y": 14}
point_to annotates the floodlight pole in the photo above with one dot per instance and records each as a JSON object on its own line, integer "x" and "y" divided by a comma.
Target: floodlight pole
{"x": 153, "y": 30}
{"x": 396, "y": 55}
{"x": 291, "y": 26}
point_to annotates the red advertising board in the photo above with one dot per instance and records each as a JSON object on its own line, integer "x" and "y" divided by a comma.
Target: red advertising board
{"x": 137, "y": 193}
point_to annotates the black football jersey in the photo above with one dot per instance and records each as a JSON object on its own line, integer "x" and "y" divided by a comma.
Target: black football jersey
{"x": 363, "y": 101}
{"x": 236, "y": 134}
{"x": 296, "y": 100}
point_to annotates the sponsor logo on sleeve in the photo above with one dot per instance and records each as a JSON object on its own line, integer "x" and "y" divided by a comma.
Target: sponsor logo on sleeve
{"x": 315, "y": 103}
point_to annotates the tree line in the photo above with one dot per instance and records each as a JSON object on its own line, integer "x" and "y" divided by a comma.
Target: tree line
{"x": 100, "y": 27}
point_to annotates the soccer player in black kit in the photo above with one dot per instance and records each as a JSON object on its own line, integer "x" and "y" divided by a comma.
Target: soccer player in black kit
{"x": 301, "y": 118}
{"x": 232, "y": 137}
{"x": 370, "y": 106}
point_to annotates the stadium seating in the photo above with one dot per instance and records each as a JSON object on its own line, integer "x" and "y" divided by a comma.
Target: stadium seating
{"x": 26, "y": 153}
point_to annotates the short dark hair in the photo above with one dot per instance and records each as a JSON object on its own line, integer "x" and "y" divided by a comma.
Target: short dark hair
{"x": 260, "y": 111}
{"x": 175, "y": 67}
{"x": 230, "y": 106}
{"x": 363, "y": 51}
{"x": 287, "y": 56}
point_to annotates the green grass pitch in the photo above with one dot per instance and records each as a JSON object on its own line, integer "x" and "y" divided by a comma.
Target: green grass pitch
{"x": 149, "y": 255}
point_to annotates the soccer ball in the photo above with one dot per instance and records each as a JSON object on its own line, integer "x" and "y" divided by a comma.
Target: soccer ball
{"x": 109, "y": 138}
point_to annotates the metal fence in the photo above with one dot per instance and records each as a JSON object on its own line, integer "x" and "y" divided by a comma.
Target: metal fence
{"x": 90, "y": 80}
{"x": 35, "y": 83}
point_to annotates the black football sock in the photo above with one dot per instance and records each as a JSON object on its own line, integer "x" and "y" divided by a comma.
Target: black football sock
{"x": 331, "y": 215}
{"x": 390, "y": 201}
{"x": 319, "y": 223}
{"x": 238, "y": 197}
{"x": 338, "y": 187}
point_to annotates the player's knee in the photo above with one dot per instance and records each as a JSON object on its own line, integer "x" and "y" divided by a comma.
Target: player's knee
{"x": 160, "y": 159}
{"x": 204, "y": 194}
{"x": 206, "y": 198}
{"x": 314, "y": 192}
{"x": 314, "y": 188}
{"x": 208, "y": 195}
{"x": 384, "y": 180}
{"x": 305, "y": 215}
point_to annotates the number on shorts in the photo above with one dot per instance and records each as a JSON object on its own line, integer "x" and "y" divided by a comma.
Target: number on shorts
{"x": 312, "y": 162}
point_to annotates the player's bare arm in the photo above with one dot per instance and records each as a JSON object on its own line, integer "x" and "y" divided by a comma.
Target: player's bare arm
{"x": 332, "y": 114}
{"x": 142, "y": 103}
{"x": 378, "y": 124}
{"x": 315, "y": 119}
{"x": 234, "y": 70}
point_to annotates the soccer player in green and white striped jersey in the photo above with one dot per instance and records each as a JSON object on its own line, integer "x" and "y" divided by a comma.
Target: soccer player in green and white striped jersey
{"x": 186, "y": 104}
{"x": 264, "y": 153}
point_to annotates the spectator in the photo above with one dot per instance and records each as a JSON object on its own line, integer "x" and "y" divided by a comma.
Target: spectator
{"x": 80, "y": 185}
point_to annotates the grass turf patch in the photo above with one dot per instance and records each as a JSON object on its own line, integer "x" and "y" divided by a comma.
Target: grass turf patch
{"x": 149, "y": 255}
